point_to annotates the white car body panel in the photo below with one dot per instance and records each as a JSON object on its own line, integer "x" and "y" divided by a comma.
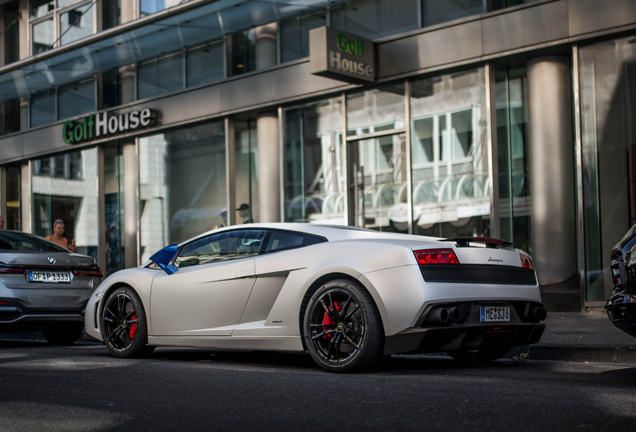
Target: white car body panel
{"x": 255, "y": 302}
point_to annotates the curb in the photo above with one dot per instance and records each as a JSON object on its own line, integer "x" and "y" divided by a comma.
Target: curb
{"x": 580, "y": 354}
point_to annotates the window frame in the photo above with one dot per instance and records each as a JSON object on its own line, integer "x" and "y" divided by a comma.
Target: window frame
{"x": 55, "y": 15}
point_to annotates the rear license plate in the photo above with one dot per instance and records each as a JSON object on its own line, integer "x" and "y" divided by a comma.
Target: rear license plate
{"x": 49, "y": 277}
{"x": 494, "y": 313}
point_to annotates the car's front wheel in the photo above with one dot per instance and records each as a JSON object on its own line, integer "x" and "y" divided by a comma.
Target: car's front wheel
{"x": 342, "y": 327}
{"x": 124, "y": 328}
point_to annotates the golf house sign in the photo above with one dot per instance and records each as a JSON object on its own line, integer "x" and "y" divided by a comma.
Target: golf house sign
{"x": 340, "y": 55}
{"x": 106, "y": 123}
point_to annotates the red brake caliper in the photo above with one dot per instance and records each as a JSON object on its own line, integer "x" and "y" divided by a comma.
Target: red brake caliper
{"x": 326, "y": 320}
{"x": 133, "y": 327}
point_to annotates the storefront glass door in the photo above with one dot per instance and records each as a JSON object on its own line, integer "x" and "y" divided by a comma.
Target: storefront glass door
{"x": 378, "y": 169}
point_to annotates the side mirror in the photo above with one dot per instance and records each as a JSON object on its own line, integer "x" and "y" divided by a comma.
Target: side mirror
{"x": 164, "y": 257}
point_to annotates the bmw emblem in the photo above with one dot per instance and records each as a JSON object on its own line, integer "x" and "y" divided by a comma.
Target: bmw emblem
{"x": 51, "y": 260}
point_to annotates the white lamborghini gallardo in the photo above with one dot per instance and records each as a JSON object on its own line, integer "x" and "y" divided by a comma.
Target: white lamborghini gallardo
{"x": 346, "y": 295}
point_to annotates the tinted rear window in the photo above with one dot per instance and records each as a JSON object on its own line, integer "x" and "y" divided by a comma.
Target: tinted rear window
{"x": 23, "y": 242}
{"x": 283, "y": 240}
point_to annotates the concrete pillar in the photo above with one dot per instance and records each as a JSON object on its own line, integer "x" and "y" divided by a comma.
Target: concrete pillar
{"x": 268, "y": 167}
{"x": 128, "y": 10}
{"x": 551, "y": 160}
{"x": 131, "y": 202}
{"x": 265, "y": 49}
{"x": 23, "y": 22}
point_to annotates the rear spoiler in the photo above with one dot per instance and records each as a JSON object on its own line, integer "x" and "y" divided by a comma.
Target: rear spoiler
{"x": 489, "y": 242}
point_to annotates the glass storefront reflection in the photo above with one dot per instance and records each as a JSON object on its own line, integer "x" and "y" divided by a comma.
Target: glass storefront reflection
{"x": 451, "y": 182}
{"x": 65, "y": 188}
{"x": 609, "y": 198}
{"x": 314, "y": 181}
{"x": 182, "y": 185}
{"x": 113, "y": 208}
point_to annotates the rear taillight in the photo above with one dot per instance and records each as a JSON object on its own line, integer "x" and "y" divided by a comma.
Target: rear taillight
{"x": 11, "y": 270}
{"x": 436, "y": 256}
{"x": 4, "y": 303}
{"x": 92, "y": 272}
{"x": 526, "y": 262}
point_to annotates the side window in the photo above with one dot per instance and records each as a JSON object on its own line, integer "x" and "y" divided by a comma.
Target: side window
{"x": 283, "y": 240}
{"x": 221, "y": 247}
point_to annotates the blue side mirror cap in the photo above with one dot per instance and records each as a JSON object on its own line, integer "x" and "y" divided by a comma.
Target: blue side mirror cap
{"x": 164, "y": 257}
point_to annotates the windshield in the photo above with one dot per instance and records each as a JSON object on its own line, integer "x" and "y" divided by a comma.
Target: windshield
{"x": 16, "y": 241}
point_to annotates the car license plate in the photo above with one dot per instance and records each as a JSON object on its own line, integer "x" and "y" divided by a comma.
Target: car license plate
{"x": 49, "y": 276}
{"x": 495, "y": 313}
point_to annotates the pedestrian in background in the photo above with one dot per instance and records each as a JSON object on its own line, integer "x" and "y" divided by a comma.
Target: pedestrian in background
{"x": 58, "y": 236}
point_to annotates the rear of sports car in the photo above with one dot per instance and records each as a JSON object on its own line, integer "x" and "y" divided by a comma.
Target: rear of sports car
{"x": 480, "y": 299}
{"x": 621, "y": 305}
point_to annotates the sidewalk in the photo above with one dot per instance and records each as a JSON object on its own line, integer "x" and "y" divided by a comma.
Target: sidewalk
{"x": 581, "y": 337}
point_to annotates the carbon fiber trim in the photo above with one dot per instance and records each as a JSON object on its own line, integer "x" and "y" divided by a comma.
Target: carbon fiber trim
{"x": 477, "y": 274}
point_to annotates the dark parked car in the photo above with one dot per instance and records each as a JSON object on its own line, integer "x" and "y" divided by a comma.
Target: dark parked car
{"x": 621, "y": 306}
{"x": 44, "y": 287}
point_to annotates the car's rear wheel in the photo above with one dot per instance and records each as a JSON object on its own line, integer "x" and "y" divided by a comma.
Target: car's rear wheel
{"x": 481, "y": 356}
{"x": 65, "y": 333}
{"x": 124, "y": 328}
{"x": 342, "y": 327}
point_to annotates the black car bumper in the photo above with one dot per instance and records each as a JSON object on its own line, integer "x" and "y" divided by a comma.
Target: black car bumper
{"x": 467, "y": 332}
{"x": 14, "y": 316}
{"x": 621, "y": 309}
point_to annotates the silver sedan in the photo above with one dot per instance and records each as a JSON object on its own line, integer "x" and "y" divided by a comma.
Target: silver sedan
{"x": 44, "y": 287}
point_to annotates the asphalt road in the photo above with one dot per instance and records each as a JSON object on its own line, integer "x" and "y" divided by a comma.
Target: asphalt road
{"x": 46, "y": 388}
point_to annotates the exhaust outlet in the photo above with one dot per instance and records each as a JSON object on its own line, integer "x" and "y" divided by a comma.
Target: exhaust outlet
{"x": 454, "y": 314}
{"x": 539, "y": 313}
{"x": 437, "y": 315}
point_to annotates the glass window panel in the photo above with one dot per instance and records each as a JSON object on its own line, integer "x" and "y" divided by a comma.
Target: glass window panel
{"x": 255, "y": 49}
{"x": 11, "y": 36}
{"x": 161, "y": 75}
{"x": 246, "y": 170}
{"x": 10, "y": 112}
{"x": 182, "y": 185}
{"x": 113, "y": 208}
{"x": 64, "y": 3}
{"x": 149, "y": 7}
{"x": 13, "y": 217}
{"x": 500, "y": 4}
{"x": 375, "y": 110}
{"x": 376, "y": 18}
{"x": 451, "y": 199}
{"x": 314, "y": 175}
{"x": 438, "y": 11}
{"x": 206, "y": 63}
{"x": 607, "y": 72}
{"x": 40, "y": 8}
{"x": 76, "y": 99}
{"x": 423, "y": 141}
{"x": 43, "y": 108}
{"x": 73, "y": 199}
{"x": 112, "y": 88}
{"x": 111, "y": 13}
{"x": 76, "y": 23}
{"x": 295, "y": 35}
{"x": 42, "y": 36}
{"x": 224, "y": 246}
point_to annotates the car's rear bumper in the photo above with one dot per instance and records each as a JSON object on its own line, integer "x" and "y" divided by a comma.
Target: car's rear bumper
{"x": 621, "y": 309}
{"x": 17, "y": 317}
{"x": 462, "y": 337}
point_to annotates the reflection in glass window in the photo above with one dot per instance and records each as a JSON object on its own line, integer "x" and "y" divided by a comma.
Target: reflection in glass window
{"x": 40, "y": 8}
{"x": 285, "y": 240}
{"x": 76, "y": 24}
{"x": 62, "y": 192}
{"x": 500, "y": 4}
{"x": 224, "y": 246}
{"x": 10, "y": 113}
{"x": 43, "y": 108}
{"x": 205, "y": 63}
{"x": 160, "y": 75}
{"x": 255, "y": 49}
{"x": 114, "y": 208}
{"x": 13, "y": 218}
{"x": 451, "y": 180}
{"x": 246, "y": 167}
{"x": 76, "y": 99}
{"x": 295, "y": 35}
{"x": 42, "y": 36}
{"x": 11, "y": 36}
{"x": 182, "y": 185}
{"x": 376, "y": 110}
{"x": 148, "y": 7}
{"x": 438, "y": 11}
{"x": 374, "y": 19}
{"x": 314, "y": 181}
{"x": 112, "y": 88}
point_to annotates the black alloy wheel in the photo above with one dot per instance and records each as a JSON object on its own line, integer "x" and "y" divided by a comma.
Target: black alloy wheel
{"x": 124, "y": 329}
{"x": 342, "y": 327}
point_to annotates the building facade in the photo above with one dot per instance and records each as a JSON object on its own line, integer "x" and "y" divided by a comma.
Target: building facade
{"x": 141, "y": 123}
